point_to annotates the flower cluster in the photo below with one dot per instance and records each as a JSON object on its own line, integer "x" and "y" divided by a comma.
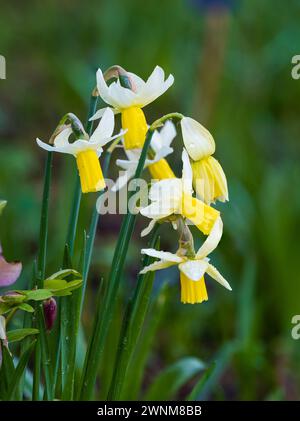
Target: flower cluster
{"x": 178, "y": 201}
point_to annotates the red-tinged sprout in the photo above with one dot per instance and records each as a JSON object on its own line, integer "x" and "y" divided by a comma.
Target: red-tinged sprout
{"x": 50, "y": 312}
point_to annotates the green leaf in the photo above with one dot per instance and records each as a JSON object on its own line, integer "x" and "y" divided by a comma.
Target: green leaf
{"x": 5, "y": 307}
{"x": 199, "y": 386}
{"x": 26, "y": 307}
{"x": 132, "y": 323}
{"x": 171, "y": 379}
{"x": 222, "y": 360}
{"x": 19, "y": 334}
{"x": 60, "y": 287}
{"x": 2, "y": 205}
{"x": 38, "y": 294}
{"x": 136, "y": 369}
{"x": 62, "y": 274}
{"x": 13, "y": 299}
{"x": 19, "y": 371}
{"x": 7, "y": 371}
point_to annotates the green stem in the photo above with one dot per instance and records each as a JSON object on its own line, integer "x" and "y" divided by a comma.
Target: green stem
{"x": 42, "y": 351}
{"x": 103, "y": 320}
{"x": 132, "y": 325}
{"x": 69, "y": 305}
{"x": 93, "y": 229}
{"x": 41, "y": 261}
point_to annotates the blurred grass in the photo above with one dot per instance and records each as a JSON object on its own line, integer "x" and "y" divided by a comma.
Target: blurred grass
{"x": 53, "y": 48}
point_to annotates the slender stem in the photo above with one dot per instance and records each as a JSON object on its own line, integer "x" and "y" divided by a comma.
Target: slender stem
{"x": 103, "y": 319}
{"x": 93, "y": 229}
{"x": 132, "y": 325}
{"x": 72, "y": 228}
{"x": 42, "y": 351}
{"x": 41, "y": 261}
{"x": 69, "y": 305}
{"x": 36, "y": 373}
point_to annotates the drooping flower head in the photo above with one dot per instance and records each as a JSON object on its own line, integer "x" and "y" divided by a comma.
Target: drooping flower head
{"x": 129, "y": 102}
{"x": 192, "y": 269}
{"x": 209, "y": 180}
{"x": 159, "y": 168}
{"x": 174, "y": 197}
{"x": 87, "y": 151}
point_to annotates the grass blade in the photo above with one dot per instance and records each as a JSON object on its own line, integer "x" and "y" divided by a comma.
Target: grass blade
{"x": 19, "y": 371}
{"x": 169, "y": 381}
{"x": 199, "y": 386}
{"x": 132, "y": 323}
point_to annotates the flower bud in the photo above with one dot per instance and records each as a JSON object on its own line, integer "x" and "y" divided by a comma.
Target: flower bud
{"x": 50, "y": 312}
{"x": 197, "y": 139}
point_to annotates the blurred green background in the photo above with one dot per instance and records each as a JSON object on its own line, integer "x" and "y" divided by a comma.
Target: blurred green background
{"x": 232, "y": 67}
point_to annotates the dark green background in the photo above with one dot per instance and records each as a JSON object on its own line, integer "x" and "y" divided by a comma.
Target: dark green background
{"x": 232, "y": 69}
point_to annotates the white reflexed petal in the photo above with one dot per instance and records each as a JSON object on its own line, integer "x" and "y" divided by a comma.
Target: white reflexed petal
{"x": 98, "y": 114}
{"x": 2, "y": 328}
{"x": 157, "y": 210}
{"x": 123, "y": 179}
{"x": 65, "y": 149}
{"x": 44, "y": 145}
{"x": 187, "y": 173}
{"x": 148, "y": 228}
{"x": 165, "y": 189}
{"x": 194, "y": 269}
{"x": 121, "y": 97}
{"x": 62, "y": 139}
{"x": 154, "y": 87}
{"x": 163, "y": 255}
{"x": 138, "y": 83}
{"x": 105, "y": 127}
{"x": 212, "y": 240}
{"x": 162, "y": 264}
{"x": 197, "y": 139}
{"x": 81, "y": 145}
{"x": 103, "y": 90}
{"x": 215, "y": 274}
{"x": 168, "y": 133}
{"x": 162, "y": 153}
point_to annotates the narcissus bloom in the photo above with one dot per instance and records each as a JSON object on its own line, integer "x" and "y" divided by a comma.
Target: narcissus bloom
{"x": 159, "y": 168}
{"x": 87, "y": 151}
{"x": 129, "y": 102}
{"x": 174, "y": 196}
{"x": 209, "y": 180}
{"x": 192, "y": 270}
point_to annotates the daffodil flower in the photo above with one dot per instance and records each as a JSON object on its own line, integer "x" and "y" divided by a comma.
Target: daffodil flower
{"x": 192, "y": 270}
{"x": 159, "y": 168}
{"x": 209, "y": 180}
{"x": 87, "y": 151}
{"x": 175, "y": 196}
{"x": 130, "y": 102}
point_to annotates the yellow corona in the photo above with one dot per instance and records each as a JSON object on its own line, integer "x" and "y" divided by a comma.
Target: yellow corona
{"x": 90, "y": 172}
{"x": 134, "y": 121}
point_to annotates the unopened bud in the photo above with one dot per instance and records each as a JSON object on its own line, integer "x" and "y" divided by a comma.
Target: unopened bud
{"x": 50, "y": 312}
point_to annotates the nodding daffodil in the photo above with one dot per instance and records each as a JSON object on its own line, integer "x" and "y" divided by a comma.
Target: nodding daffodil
{"x": 175, "y": 196}
{"x": 87, "y": 151}
{"x": 129, "y": 102}
{"x": 192, "y": 269}
{"x": 158, "y": 166}
{"x": 209, "y": 180}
